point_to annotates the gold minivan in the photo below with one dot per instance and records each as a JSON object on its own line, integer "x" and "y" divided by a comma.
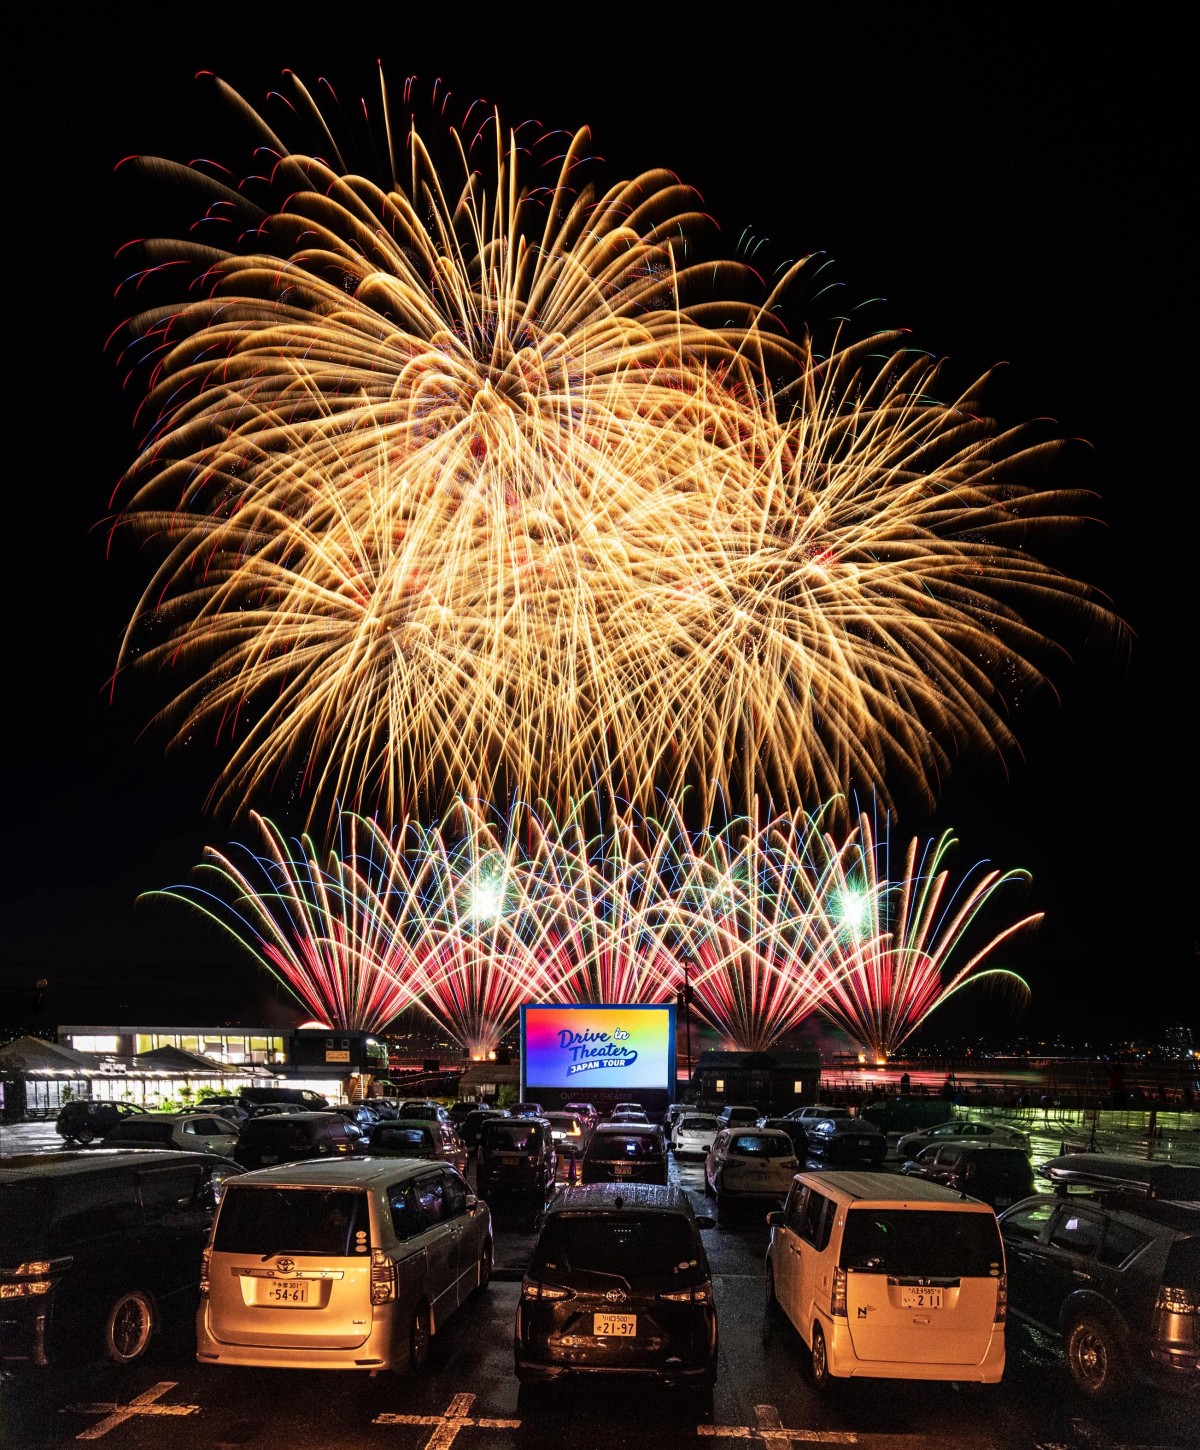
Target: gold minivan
{"x": 344, "y": 1264}
{"x": 889, "y": 1278}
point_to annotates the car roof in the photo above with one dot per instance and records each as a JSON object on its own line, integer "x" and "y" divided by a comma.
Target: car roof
{"x": 1127, "y": 1207}
{"x": 19, "y": 1167}
{"x": 644, "y": 1197}
{"x": 888, "y": 1190}
{"x": 751, "y": 1130}
{"x": 173, "y": 1117}
{"x": 314, "y": 1116}
{"x": 338, "y": 1173}
{"x": 387, "y": 1124}
{"x": 1099, "y": 1170}
{"x": 611, "y": 1130}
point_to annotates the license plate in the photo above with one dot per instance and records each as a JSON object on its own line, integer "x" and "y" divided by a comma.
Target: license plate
{"x": 622, "y": 1326}
{"x": 622, "y": 1170}
{"x": 287, "y": 1293}
{"x": 920, "y": 1298}
{"x": 270, "y": 1157}
{"x": 1003, "y": 1202}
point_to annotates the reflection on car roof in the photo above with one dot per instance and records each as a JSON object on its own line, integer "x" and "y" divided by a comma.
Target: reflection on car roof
{"x": 17, "y": 1166}
{"x": 650, "y": 1197}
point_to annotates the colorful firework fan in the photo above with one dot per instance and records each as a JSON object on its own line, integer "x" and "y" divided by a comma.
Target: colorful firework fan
{"x": 903, "y": 944}
{"x": 461, "y": 485}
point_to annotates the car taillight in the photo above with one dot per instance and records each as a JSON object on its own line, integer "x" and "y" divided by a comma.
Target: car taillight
{"x": 1176, "y": 1300}
{"x": 837, "y": 1300}
{"x": 544, "y": 1291}
{"x": 383, "y": 1277}
{"x": 205, "y": 1261}
{"x": 33, "y": 1278}
{"x": 697, "y": 1294}
{"x": 1001, "y": 1299}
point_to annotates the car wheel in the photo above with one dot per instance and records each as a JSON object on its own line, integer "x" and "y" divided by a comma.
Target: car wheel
{"x": 129, "y": 1327}
{"x": 1096, "y": 1360}
{"x": 418, "y": 1339}
{"x": 819, "y": 1359}
{"x": 774, "y": 1309}
{"x": 85, "y": 1134}
{"x": 486, "y": 1259}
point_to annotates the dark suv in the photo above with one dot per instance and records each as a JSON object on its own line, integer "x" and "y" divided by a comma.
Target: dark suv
{"x": 625, "y": 1153}
{"x": 516, "y": 1156}
{"x": 83, "y": 1121}
{"x": 997, "y": 1175}
{"x": 290, "y": 1137}
{"x": 618, "y": 1282}
{"x": 97, "y": 1247}
{"x": 1113, "y": 1268}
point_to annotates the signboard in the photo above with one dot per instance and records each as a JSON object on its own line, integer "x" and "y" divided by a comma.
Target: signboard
{"x": 582, "y": 1050}
{"x": 337, "y": 1055}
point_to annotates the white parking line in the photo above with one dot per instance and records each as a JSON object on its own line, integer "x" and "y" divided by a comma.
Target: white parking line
{"x": 447, "y": 1426}
{"x": 143, "y": 1404}
{"x": 770, "y": 1429}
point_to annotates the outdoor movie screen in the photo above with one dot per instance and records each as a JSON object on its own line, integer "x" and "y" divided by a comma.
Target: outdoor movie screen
{"x": 586, "y": 1046}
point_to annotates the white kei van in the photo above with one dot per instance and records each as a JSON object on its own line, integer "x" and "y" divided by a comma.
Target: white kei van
{"x": 340, "y": 1264}
{"x": 889, "y": 1278}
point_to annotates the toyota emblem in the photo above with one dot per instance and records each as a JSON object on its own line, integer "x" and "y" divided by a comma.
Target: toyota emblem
{"x": 285, "y": 1266}
{"x": 615, "y": 1296}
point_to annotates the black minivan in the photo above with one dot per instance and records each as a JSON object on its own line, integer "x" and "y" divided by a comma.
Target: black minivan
{"x": 290, "y": 1137}
{"x": 516, "y": 1156}
{"x": 96, "y": 1248}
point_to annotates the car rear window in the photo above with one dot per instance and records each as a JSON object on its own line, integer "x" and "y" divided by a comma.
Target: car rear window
{"x": 904, "y": 1241}
{"x": 698, "y": 1125}
{"x": 610, "y": 1245}
{"x": 270, "y": 1221}
{"x": 419, "y": 1140}
{"x": 512, "y": 1137}
{"x": 754, "y": 1145}
{"x": 625, "y": 1145}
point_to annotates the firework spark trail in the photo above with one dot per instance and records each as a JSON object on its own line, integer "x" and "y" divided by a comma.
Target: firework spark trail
{"x": 462, "y": 490}
{"x": 896, "y": 953}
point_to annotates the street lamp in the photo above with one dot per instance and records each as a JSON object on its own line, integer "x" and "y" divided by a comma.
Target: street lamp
{"x": 684, "y": 1000}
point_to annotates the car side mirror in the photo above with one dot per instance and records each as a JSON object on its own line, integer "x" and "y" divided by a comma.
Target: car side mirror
{"x": 472, "y": 1203}
{"x": 775, "y": 1220}
{"x": 539, "y": 1221}
{"x": 704, "y": 1220}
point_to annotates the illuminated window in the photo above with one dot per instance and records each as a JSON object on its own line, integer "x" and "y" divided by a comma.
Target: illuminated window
{"x": 720, "y": 1084}
{"x": 797, "y": 1086}
{"x": 143, "y": 1042}
{"x": 190, "y": 1044}
{"x": 94, "y": 1044}
{"x": 258, "y": 1044}
{"x": 277, "y": 1047}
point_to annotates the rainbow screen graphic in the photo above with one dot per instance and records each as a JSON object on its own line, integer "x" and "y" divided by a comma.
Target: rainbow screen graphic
{"x": 592, "y": 1047}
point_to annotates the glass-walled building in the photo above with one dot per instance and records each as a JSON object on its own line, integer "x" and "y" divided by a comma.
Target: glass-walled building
{"x": 230, "y": 1046}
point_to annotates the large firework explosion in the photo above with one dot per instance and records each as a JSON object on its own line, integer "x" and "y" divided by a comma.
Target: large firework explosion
{"x": 466, "y": 487}
{"x": 904, "y": 944}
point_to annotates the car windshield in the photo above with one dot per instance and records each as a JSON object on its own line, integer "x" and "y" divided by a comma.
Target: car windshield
{"x": 904, "y": 1241}
{"x": 270, "y": 1221}
{"x": 753, "y": 1145}
{"x": 614, "y": 1244}
{"x": 698, "y": 1125}
{"x": 402, "y": 1140}
{"x": 625, "y": 1145}
{"x": 512, "y": 1137}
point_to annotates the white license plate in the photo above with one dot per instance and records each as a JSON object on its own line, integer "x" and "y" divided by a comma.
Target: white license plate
{"x": 623, "y": 1170}
{"x": 286, "y": 1293}
{"x": 920, "y": 1298}
{"x": 622, "y": 1326}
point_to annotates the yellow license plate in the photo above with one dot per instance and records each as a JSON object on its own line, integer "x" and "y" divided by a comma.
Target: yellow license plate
{"x": 277, "y": 1293}
{"x": 622, "y": 1326}
{"x": 920, "y": 1298}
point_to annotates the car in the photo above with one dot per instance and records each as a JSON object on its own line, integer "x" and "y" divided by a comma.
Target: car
{"x": 360, "y": 1114}
{"x": 672, "y": 1115}
{"x": 99, "y": 1249}
{"x": 738, "y": 1115}
{"x": 1111, "y": 1269}
{"x": 516, "y": 1158}
{"x": 792, "y": 1127}
{"x": 84, "y": 1120}
{"x": 844, "y": 1139}
{"x": 694, "y": 1133}
{"x": 474, "y": 1121}
{"x": 195, "y": 1132}
{"x": 628, "y": 1115}
{"x": 618, "y": 1283}
{"x": 416, "y": 1138}
{"x": 749, "y": 1163}
{"x": 423, "y": 1108}
{"x": 290, "y": 1137}
{"x": 526, "y": 1110}
{"x": 305, "y": 1098}
{"x": 351, "y": 1264}
{"x": 889, "y": 1278}
{"x": 625, "y": 1153}
{"x": 569, "y": 1133}
{"x": 588, "y": 1113}
{"x": 901, "y": 1113}
{"x": 993, "y": 1172}
{"x": 814, "y": 1111}
{"x": 459, "y": 1110}
{"x": 232, "y": 1111}
{"x": 272, "y": 1110}
{"x": 626, "y": 1108}
{"x": 910, "y": 1144}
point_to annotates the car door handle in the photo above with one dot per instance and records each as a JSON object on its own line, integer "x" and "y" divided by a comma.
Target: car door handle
{"x": 1079, "y": 1274}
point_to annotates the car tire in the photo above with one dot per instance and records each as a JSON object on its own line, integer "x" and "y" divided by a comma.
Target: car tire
{"x": 486, "y": 1262}
{"x": 418, "y": 1339}
{"x": 1096, "y": 1359}
{"x": 84, "y": 1134}
{"x": 773, "y": 1306}
{"x": 818, "y": 1360}
{"x": 129, "y": 1326}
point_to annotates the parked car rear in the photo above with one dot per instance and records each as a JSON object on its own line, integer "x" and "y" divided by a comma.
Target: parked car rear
{"x": 625, "y": 1153}
{"x": 291, "y": 1137}
{"x": 412, "y": 1138}
{"x": 516, "y": 1157}
{"x": 844, "y": 1140}
{"x": 996, "y": 1174}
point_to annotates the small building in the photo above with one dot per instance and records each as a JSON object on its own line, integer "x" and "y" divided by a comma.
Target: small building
{"x": 776, "y": 1082}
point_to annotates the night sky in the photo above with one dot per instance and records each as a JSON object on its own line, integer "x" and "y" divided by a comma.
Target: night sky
{"x": 1013, "y": 196}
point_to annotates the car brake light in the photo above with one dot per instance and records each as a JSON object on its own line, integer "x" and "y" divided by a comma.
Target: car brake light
{"x": 205, "y": 1261}
{"x": 34, "y": 1278}
{"x": 1176, "y": 1300}
{"x": 383, "y": 1277}
{"x": 1001, "y": 1299}
{"x": 545, "y": 1291}
{"x": 837, "y": 1300}
{"x": 697, "y": 1294}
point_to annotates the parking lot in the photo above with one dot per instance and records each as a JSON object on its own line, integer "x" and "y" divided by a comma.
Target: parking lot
{"x": 469, "y": 1395}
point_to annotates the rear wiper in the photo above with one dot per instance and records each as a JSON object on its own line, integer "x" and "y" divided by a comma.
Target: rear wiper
{"x": 273, "y": 1254}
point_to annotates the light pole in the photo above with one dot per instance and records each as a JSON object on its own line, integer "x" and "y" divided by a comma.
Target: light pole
{"x": 685, "y": 1001}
